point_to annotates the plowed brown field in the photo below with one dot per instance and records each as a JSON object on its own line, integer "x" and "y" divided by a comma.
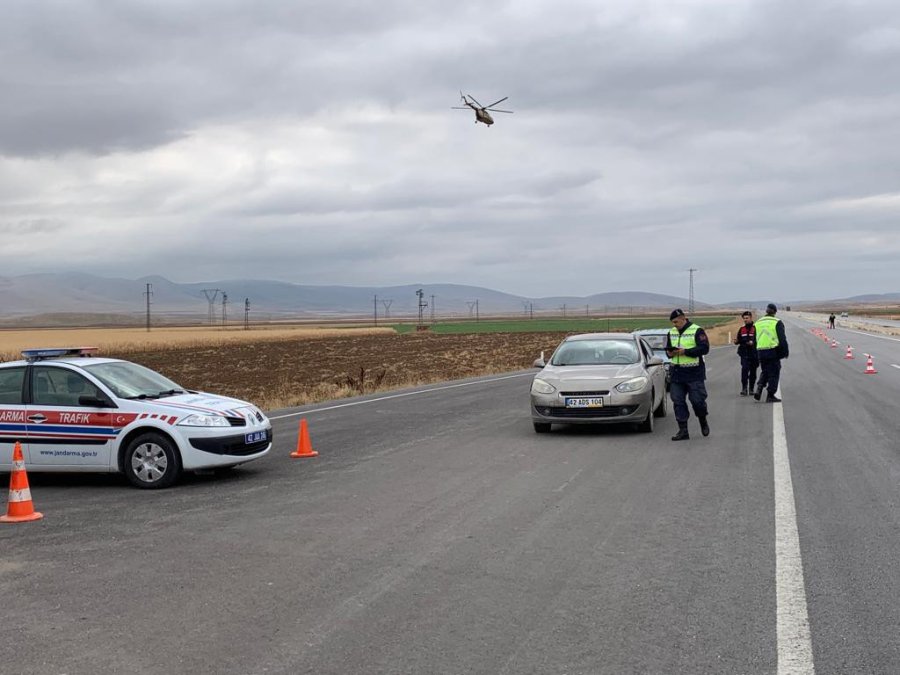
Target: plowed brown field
{"x": 277, "y": 374}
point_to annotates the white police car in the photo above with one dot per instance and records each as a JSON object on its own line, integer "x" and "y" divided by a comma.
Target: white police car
{"x": 72, "y": 411}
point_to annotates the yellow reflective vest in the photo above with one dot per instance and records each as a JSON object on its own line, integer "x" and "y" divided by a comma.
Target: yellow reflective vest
{"x": 685, "y": 340}
{"x": 767, "y": 332}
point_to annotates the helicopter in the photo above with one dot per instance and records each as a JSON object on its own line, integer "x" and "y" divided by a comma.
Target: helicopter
{"x": 481, "y": 111}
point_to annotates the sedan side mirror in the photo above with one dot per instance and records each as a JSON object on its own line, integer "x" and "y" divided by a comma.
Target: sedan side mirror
{"x": 94, "y": 402}
{"x": 655, "y": 361}
{"x": 539, "y": 363}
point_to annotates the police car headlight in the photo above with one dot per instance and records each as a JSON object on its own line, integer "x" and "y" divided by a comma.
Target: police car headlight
{"x": 204, "y": 421}
{"x": 541, "y": 387}
{"x": 635, "y": 384}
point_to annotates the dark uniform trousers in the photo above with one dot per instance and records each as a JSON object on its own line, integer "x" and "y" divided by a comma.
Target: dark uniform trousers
{"x": 770, "y": 373}
{"x": 749, "y": 364}
{"x": 681, "y": 390}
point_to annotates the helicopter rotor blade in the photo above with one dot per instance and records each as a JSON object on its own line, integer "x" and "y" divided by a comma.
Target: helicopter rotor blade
{"x": 476, "y": 102}
{"x": 496, "y": 102}
{"x": 458, "y": 107}
{"x": 495, "y": 110}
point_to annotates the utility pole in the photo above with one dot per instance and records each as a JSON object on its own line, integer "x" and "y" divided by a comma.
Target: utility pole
{"x": 564, "y": 311}
{"x": 432, "y": 309}
{"x": 375, "y": 306}
{"x": 224, "y": 309}
{"x": 477, "y": 316}
{"x": 587, "y": 311}
{"x": 471, "y": 306}
{"x": 211, "y": 294}
{"x": 422, "y": 305}
{"x": 246, "y": 313}
{"x": 387, "y": 308}
{"x": 148, "y": 293}
{"x": 531, "y": 309}
{"x": 691, "y": 292}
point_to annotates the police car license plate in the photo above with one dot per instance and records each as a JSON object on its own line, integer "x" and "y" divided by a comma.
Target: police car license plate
{"x": 254, "y": 437}
{"x": 589, "y": 402}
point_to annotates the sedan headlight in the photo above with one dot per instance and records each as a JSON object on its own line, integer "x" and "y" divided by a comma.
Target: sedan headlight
{"x": 634, "y": 384}
{"x": 541, "y": 387}
{"x": 204, "y": 421}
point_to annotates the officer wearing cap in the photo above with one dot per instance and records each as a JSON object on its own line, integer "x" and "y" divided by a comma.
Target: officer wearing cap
{"x": 745, "y": 339}
{"x": 686, "y": 346}
{"x": 771, "y": 347}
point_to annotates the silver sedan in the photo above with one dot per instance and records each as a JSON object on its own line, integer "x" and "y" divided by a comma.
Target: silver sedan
{"x": 599, "y": 378}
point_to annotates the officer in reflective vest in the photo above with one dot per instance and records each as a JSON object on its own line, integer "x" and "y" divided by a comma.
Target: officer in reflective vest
{"x": 686, "y": 346}
{"x": 771, "y": 346}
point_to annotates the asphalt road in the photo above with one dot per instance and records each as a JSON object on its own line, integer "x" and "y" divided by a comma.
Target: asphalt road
{"x": 437, "y": 533}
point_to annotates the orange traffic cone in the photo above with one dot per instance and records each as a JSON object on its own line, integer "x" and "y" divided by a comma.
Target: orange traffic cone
{"x": 304, "y": 447}
{"x": 870, "y": 366}
{"x": 19, "y": 509}
{"x": 833, "y": 344}
{"x": 849, "y": 354}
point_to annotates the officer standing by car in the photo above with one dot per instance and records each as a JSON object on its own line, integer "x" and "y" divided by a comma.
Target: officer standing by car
{"x": 686, "y": 345}
{"x": 746, "y": 342}
{"x": 771, "y": 346}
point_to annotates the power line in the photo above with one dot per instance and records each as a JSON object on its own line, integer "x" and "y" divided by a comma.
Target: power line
{"x": 691, "y": 292}
{"x": 148, "y": 293}
{"x": 211, "y": 294}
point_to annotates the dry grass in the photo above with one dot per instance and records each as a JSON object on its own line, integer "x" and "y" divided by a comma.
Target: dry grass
{"x": 721, "y": 335}
{"x": 125, "y": 340}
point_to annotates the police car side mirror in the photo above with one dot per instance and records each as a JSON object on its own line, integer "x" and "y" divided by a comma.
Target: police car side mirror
{"x": 538, "y": 363}
{"x": 94, "y": 402}
{"x": 655, "y": 361}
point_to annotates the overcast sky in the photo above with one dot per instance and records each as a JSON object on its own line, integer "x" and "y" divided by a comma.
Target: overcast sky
{"x": 314, "y": 142}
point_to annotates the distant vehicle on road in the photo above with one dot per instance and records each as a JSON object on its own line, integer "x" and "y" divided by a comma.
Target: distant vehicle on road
{"x": 73, "y": 411}
{"x": 599, "y": 378}
{"x": 844, "y": 315}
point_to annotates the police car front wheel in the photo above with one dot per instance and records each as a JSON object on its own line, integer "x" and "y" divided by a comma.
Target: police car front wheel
{"x": 151, "y": 461}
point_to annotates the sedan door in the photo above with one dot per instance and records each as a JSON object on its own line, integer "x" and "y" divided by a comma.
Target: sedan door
{"x": 657, "y": 373}
{"x": 61, "y": 431}
{"x": 12, "y": 415}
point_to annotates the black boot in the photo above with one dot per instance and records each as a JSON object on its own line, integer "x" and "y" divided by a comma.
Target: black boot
{"x": 744, "y": 391}
{"x": 772, "y": 398}
{"x": 682, "y": 434}
{"x": 704, "y": 426}
{"x": 758, "y": 393}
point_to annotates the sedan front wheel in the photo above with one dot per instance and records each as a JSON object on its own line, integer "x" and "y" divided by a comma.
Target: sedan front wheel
{"x": 152, "y": 461}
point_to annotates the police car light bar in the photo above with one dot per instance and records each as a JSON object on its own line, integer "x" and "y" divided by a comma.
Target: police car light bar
{"x": 52, "y": 352}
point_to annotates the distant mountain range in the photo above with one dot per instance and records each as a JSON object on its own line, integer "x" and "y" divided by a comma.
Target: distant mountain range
{"x": 73, "y": 294}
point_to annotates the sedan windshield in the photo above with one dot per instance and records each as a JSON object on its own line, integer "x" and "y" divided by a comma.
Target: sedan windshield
{"x": 596, "y": 353}
{"x": 129, "y": 380}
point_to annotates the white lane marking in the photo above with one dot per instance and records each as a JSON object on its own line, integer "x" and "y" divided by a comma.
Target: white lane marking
{"x": 874, "y": 335}
{"x": 568, "y": 482}
{"x": 894, "y": 365}
{"x": 408, "y": 393}
{"x": 792, "y": 620}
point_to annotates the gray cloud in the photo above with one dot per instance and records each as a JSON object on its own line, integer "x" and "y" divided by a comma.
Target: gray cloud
{"x": 314, "y": 142}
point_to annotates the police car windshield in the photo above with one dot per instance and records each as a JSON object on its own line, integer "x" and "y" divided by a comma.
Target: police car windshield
{"x": 129, "y": 380}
